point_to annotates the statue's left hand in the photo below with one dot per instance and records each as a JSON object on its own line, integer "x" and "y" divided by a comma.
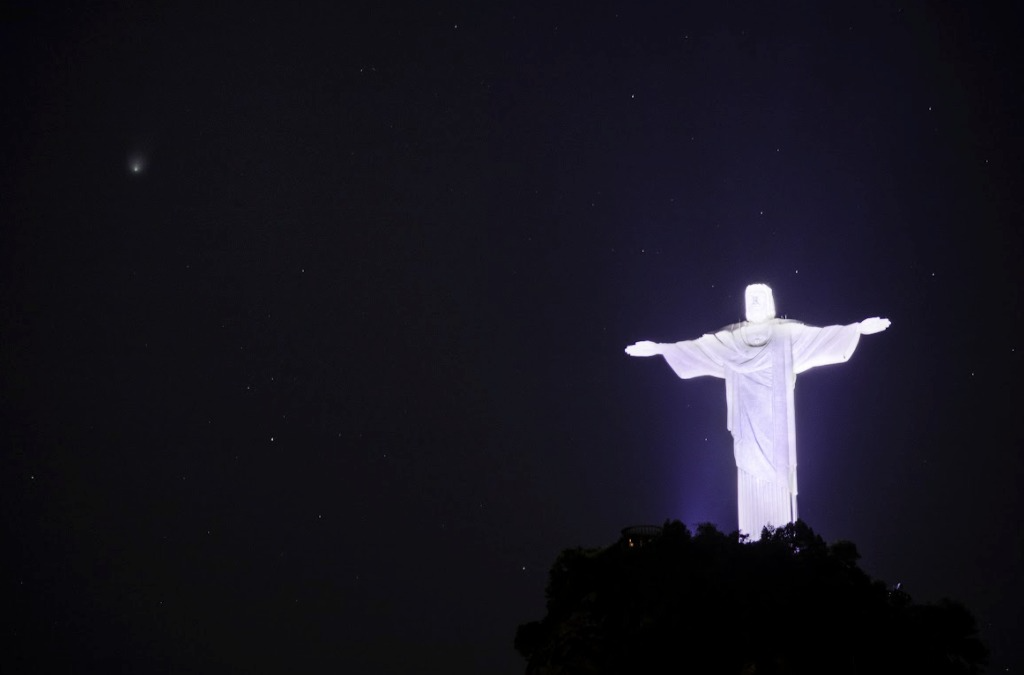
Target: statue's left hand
{"x": 873, "y": 325}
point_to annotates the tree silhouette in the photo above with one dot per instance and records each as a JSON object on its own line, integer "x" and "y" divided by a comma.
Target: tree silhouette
{"x": 710, "y": 602}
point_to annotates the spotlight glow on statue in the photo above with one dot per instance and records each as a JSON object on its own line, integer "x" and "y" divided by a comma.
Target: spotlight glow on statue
{"x": 759, "y": 360}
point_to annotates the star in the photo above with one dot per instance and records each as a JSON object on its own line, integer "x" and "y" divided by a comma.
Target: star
{"x": 137, "y": 162}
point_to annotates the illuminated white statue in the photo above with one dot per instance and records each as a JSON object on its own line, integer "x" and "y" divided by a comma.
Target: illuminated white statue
{"x": 759, "y": 360}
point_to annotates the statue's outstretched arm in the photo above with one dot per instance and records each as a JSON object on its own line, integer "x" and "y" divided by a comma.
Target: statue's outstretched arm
{"x": 873, "y": 325}
{"x": 645, "y": 348}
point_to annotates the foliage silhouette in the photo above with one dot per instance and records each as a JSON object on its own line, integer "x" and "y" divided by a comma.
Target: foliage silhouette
{"x": 710, "y": 602}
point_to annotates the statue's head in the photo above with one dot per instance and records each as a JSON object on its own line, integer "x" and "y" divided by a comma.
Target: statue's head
{"x": 760, "y": 304}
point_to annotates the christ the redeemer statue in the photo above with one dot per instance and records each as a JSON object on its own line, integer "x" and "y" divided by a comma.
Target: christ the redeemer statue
{"x": 759, "y": 360}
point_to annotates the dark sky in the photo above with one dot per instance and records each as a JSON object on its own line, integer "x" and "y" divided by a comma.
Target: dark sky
{"x": 330, "y": 380}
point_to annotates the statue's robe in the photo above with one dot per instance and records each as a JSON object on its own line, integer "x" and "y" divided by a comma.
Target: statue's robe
{"x": 759, "y": 383}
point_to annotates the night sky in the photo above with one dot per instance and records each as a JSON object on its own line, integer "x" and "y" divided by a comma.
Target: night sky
{"x": 312, "y": 316}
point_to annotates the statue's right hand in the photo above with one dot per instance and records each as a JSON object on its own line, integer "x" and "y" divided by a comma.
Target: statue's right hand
{"x": 644, "y": 348}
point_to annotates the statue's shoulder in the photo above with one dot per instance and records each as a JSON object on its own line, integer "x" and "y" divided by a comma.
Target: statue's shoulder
{"x": 734, "y": 328}
{"x": 786, "y": 328}
{"x": 728, "y": 337}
